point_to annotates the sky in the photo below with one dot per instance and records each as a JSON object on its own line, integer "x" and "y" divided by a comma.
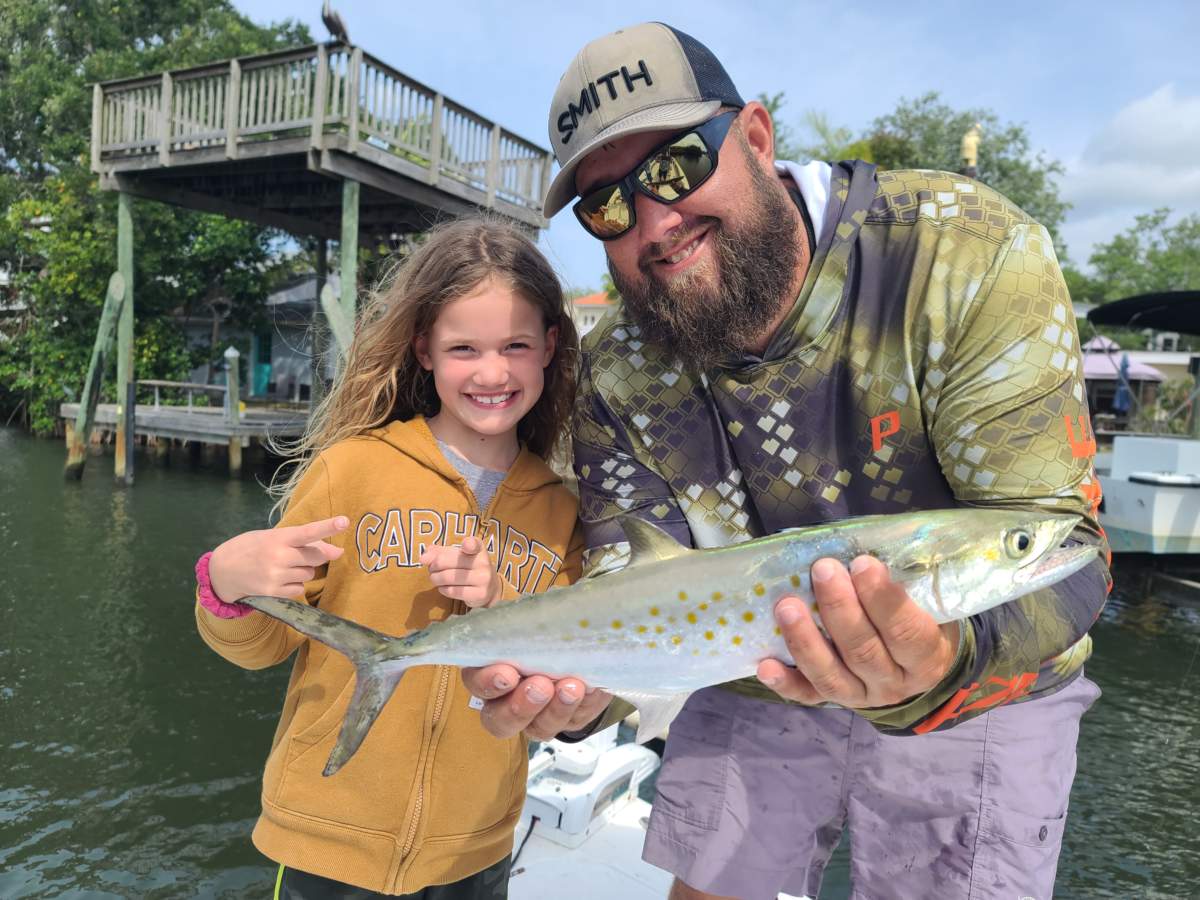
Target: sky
{"x": 1111, "y": 90}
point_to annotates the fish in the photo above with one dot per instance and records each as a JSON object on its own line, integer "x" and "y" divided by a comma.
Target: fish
{"x": 676, "y": 619}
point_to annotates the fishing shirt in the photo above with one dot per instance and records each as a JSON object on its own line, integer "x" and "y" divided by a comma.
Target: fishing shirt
{"x": 931, "y": 360}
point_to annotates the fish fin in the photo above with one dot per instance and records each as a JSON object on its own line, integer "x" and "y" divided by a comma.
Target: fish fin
{"x": 656, "y": 711}
{"x": 648, "y": 542}
{"x": 374, "y": 682}
{"x": 372, "y": 689}
{"x": 354, "y": 641}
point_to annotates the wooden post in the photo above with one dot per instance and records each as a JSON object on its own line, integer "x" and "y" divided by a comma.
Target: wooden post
{"x": 435, "y": 141}
{"x": 79, "y": 431}
{"x": 318, "y": 329}
{"x": 233, "y": 99}
{"x": 493, "y": 167}
{"x": 320, "y": 98}
{"x": 352, "y": 83}
{"x": 166, "y": 116}
{"x": 97, "y": 125}
{"x": 131, "y": 407}
{"x": 233, "y": 411}
{"x": 125, "y": 374}
{"x": 349, "y": 246}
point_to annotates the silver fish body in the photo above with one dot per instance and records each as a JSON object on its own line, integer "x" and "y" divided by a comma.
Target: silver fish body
{"x": 675, "y": 620}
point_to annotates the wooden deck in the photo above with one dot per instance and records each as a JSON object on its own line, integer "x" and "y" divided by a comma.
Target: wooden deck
{"x": 270, "y": 139}
{"x": 206, "y": 425}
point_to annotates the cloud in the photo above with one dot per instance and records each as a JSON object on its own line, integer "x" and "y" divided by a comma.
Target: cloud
{"x": 1143, "y": 158}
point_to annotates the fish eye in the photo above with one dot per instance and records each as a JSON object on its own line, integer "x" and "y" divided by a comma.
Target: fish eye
{"x": 1017, "y": 542}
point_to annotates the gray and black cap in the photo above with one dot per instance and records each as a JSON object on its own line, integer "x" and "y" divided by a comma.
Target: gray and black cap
{"x": 648, "y": 77}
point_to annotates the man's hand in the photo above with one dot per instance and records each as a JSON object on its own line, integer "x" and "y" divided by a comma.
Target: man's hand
{"x": 464, "y": 572}
{"x": 882, "y": 648}
{"x": 274, "y": 561}
{"x": 537, "y": 705}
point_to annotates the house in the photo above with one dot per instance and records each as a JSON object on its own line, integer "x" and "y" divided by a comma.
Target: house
{"x": 587, "y": 311}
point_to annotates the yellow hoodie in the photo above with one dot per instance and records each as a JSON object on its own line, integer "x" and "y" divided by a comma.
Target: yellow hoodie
{"x": 430, "y": 797}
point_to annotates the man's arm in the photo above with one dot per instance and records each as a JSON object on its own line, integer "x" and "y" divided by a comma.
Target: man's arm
{"x": 1011, "y": 430}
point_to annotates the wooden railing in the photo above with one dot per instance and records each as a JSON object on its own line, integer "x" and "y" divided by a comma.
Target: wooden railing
{"x": 315, "y": 91}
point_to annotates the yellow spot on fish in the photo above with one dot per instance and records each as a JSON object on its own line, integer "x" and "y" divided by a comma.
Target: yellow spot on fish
{"x": 683, "y": 595}
{"x": 722, "y": 621}
{"x": 748, "y": 616}
{"x": 654, "y": 610}
{"x": 778, "y": 630}
{"x": 703, "y": 606}
{"x": 641, "y": 629}
{"x": 658, "y": 629}
{"x": 708, "y": 635}
{"x": 795, "y": 579}
{"x": 991, "y": 555}
{"x": 717, "y": 595}
{"x": 677, "y": 640}
{"x": 759, "y": 589}
{"x": 617, "y": 624}
{"x": 584, "y": 623}
{"x": 671, "y": 619}
{"x": 651, "y": 645}
{"x": 691, "y": 617}
{"x": 737, "y": 640}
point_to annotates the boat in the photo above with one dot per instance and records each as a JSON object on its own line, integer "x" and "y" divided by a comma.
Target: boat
{"x": 581, "y": 830}
{"x": 1151, "y": 482}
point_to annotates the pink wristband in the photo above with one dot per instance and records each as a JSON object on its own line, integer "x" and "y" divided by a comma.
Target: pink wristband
{"x": 209, "y": 600}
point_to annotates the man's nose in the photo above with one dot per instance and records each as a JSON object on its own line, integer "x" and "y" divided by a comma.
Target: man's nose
{"x": 655, "y": 220}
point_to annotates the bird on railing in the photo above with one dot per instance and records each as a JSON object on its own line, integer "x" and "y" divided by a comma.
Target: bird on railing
{"x": 333, "y": 21}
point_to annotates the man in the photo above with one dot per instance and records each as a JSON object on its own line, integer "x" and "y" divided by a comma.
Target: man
{"x": 800, "y": 344}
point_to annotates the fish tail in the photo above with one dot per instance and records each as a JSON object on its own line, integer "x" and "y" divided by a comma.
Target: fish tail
{"x": 374, "y": 682}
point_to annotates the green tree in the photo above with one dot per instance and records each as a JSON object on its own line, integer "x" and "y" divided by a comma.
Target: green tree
{"x": 1151, "y": 255}
{"x": 57, "y": 229}
{"x": 926, "y": 133}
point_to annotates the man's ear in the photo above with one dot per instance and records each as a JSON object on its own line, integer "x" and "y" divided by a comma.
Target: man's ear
{"x": 551, "y": 345}
{"x": 420, "y": 347}
{"x": 759, "y": 131}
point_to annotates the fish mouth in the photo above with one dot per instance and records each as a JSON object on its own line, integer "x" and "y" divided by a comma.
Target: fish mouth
{"x": 1057, "y": 564}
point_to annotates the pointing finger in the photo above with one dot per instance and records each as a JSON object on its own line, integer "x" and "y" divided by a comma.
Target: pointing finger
{"x": 300, "y": 535}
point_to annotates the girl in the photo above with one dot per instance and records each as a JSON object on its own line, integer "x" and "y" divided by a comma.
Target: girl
{"x": 430, "y": 449}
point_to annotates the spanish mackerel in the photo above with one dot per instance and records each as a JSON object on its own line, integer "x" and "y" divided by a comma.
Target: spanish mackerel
{"x": 674, "y": 619}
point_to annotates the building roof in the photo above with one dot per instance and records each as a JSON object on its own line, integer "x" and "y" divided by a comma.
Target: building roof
{"x": 598, "y": 299}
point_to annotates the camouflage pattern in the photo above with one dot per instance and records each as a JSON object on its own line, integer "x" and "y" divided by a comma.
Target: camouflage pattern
{"x": 930, "y": 361}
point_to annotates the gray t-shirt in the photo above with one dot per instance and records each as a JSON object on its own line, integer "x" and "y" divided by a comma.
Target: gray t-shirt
{"x": 482, "y": 482}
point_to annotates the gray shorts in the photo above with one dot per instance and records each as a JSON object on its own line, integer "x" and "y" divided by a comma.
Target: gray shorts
{"x": 753, "y": 796}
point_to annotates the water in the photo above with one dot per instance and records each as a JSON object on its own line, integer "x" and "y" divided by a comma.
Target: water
{"x": 131, "y": 754}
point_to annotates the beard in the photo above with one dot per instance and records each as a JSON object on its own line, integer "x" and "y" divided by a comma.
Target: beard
{"x": 704, "y": 323}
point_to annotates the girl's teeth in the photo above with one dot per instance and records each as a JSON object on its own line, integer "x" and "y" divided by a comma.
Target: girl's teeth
{"x": 492, "y": 401}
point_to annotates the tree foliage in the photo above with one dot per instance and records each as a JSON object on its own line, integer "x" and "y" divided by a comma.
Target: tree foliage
{"x": 1151, "y": 255}
{"x": 58, "y": 230}
{"x": 926, "y": 133}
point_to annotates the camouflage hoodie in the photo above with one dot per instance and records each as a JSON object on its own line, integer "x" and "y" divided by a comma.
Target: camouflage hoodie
{"x": 931, "y": 360}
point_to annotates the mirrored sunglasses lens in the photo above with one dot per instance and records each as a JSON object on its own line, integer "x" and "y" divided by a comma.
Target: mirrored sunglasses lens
{"x": 677, "y": 169}
{"x": 605, "y": 213}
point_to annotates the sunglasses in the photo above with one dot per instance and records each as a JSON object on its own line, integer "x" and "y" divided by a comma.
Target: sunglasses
{"x": 668, "y": 174}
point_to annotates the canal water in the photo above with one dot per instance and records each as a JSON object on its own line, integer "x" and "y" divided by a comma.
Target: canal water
{"x": 130, "y": 754}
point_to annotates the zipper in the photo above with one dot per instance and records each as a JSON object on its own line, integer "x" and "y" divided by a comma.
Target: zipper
{"x": 439, "y": 704}
{"x": 444, "y": 679}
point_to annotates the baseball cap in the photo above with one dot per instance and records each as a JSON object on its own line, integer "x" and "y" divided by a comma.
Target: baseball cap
{"x": 644, "y": 78}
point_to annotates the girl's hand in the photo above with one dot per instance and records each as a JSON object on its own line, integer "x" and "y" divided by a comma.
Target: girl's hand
{"x": 464, "y": 572}
{"x": 274, "y": 561}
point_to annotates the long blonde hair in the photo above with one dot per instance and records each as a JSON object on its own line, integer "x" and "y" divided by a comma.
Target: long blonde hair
{"x": 381, "y": 379}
